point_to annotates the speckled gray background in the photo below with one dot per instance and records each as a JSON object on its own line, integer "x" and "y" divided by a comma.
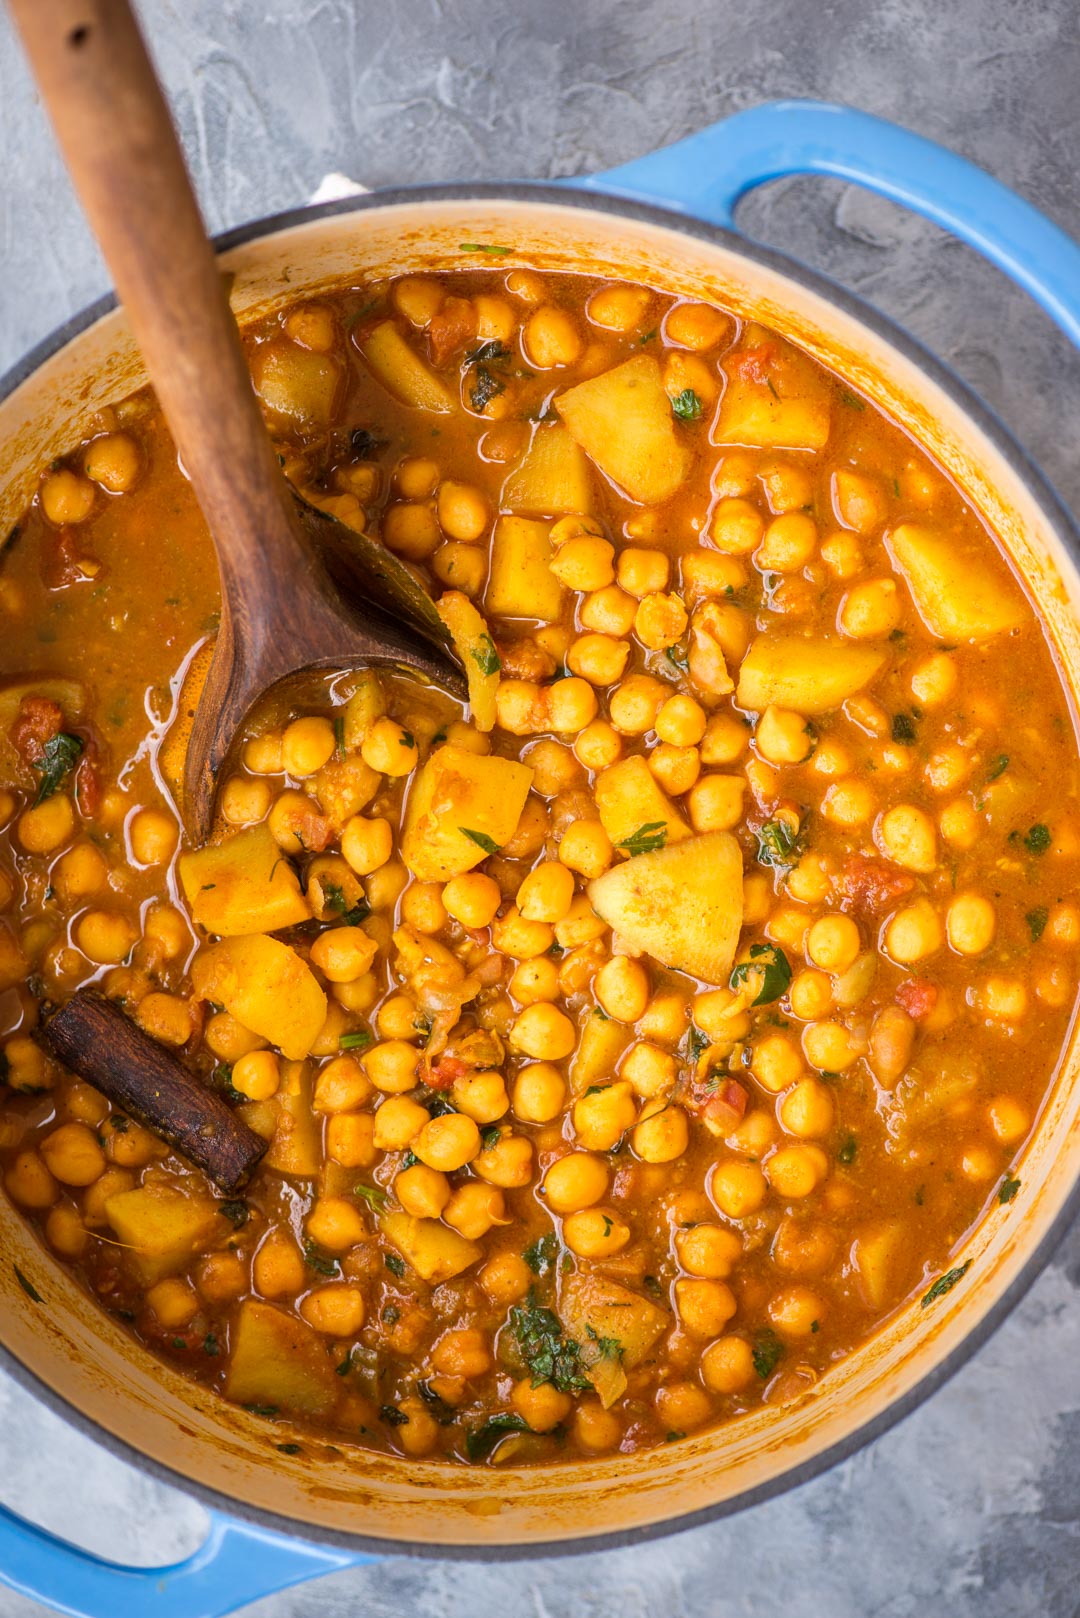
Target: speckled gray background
{"x": 970, "y": 1508}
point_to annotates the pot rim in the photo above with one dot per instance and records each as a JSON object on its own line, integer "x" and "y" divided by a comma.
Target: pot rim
{"x": 574, "y": 195}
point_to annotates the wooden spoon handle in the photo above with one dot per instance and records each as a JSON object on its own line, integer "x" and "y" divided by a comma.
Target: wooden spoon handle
{"x": 118, "y": 141}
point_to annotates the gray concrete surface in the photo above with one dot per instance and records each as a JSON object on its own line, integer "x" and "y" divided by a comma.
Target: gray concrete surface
{"x": 971, "y": 1507}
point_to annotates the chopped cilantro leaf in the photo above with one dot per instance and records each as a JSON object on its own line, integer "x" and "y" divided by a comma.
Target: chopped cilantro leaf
{"x": 775, "y": 970}
{"x": 998, "y": 767}
{"x": 1008, "y": 1189}
{"x": 1037, "y": 838}
{"x": 482, "y": 1440}
{"x": 481, "y": 839}
{"x": 357, "y": 1041}
{"x": 394, "y": 1264}
{"x": 768, "y": 1351}
{"x": 903, "y": 728}
{"x": 779, "y": 843}
{"x": 686, "y": 405}
{"x": 322, "y": 1262}
{"x": 491, "y": 248}
{"x": 28, "y": 1286}
{"x": 485, "y": 656}
{"x": 540, "y": 1254}
{"x": 945, "y": 1283}
{"x": 647, "y": 839}
{"x": 59, "y": 755}
{"x": 1036, "y": 920}
{"x": 547, "y": 1354}
{"x": 373, "y": 1195}
{"x": 847, "y": 1152}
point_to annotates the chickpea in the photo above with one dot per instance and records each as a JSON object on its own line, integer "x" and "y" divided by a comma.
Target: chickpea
{"x": 660, "y": 621}
{"x": 795, "y": 1171}
{"x": 104, "y": 936}
{"x": 708, "y": 1250}
{"x": 541, "y": 1408}
{"x": 727, "y": 1366}
{"x": 608, "y": 611}
{"x": 398, "y": 1122}
{"x": 534, "y": 980}
{"x": 737, "y": 527}
{"x": 165, "y": 1017}
{"x": 306, "y": 745}
{"x": 336, "y": 1224}
{"x": 585, "y": 563}
{"x": 603, "y": 1115}
{"x": 72, "y": 1155}
{"x": 391, "y": 1066}
{"x": 278, "y": 1269}
{"x": 47, "y": 826}
{"x": 543, "y": 1032}
{"x": 257, "y": 1075}
{"x": 664, "y": 1022}
{"x": 173, "y": 1302}
{"x": 389, "y": 747}
{"x": 934, "y": 680}
{"x": 725, "y": 739}
{"x": 422, "y": 1191}
{"x": 696, "y": 325}
{"x": 788, "y": 543}
{"x": 417, "y": 478}
{"x": 738, "y": 1189}
{"x": 575, "y": 1181}
{"x": 913, "y": 933}
{"x": 551, "y": 338}
{"x": 366, "y": 845}
{"x": 642, "y": 572}
{"x": 524, "y": 940}
{"x": 600, "y": 659}
{"x": 776, "y": 1062}
{"x": 507, "y": 1162}
{"x": 343, "y": 954}
{"x": 596, "y": 1233}
{"x": 586, "y": 848}
{"x": 598, "y": 745}
{"x": 342, "y": 1086}
{"x": 336, "y": 1310}
{"x": 1004, "y": 999}
{"x": 807, "y": 1110}
{"x": 830, "y": 1047}
{"x": 29, "y": 1182}
{"x": 810, "y": 995}
{"x": 462, "y": 511}
{"x": 27, "y": 1069}
{"x": 680, "y": 722}
{"x": 970, "y": 924}
{"x": 547, "y": 893}
{"x": 539, "y": 1093}
{"x": 662, "y": 1133}
{"x": 422, "y": 907}
{"x": 705, "y": 1307}
{"x": 783, "y": 737}
{"x": 113, "y": 461}
{"x": 243, "y": 802}
{"x": 350, "y": 1139}
{"x": 506, "y": 1278}
{"x": 833, "y": 943}
{"x": 460, "y": 566}
{"x": 716, "y": 803}
{"x": 594, "y": 1427}
{"x": 229, "y": 1039}
{"x": 676, "y": 768}
{"x": 634, "y": 705}
{"x": 474, "y": 1209}
{"x": 848, "y": 803}
{"x": 66, "y": 498}
{"x": 262, "y": 754}
{"x": 795, "y": 1311}
{"x": 571, "y": 705}
{"x": 906, "y": 835}
{"x": 481, "y": 1095}
{"x": 649, "y": 1069}
{"x": 447, "y": 1142}
{"x": 622, "y": 988}
{"x": 1009, "y": 1121}
{"x": 1063, "y": 925}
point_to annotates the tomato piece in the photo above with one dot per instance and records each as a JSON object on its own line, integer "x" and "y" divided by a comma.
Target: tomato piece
{"x": 871, "y": 883}
{"x": 39, "y": 719}
{"x": 917, "y": 996}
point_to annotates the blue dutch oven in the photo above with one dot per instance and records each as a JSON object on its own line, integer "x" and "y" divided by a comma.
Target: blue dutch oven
{"x": 667, "y": 220}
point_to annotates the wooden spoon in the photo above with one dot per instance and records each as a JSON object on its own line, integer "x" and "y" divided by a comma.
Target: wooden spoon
{"x": 285, "y": 567}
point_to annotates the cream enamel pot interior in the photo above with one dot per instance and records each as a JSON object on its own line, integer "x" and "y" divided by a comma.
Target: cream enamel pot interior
{"x": 81, "y": 1360}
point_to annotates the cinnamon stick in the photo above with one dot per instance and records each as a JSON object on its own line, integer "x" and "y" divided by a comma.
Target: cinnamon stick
{"x": 93, "y": 1038}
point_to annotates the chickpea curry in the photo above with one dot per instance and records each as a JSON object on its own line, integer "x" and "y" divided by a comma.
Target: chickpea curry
{"x": 619, "y": 1049}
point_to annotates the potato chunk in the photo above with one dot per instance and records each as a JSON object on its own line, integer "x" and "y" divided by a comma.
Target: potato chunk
{"x": 278, "y": 1363}
{"x": 683, "y": 904}
{"x": 474, "y": 645}
{"x": 956, "y": 595}
{"x": 162, "y": 1226}
{"x": 630, "y": 802}
{"x": 266, "y": 986}
{"x": 243, "y": 885}
{"x": 462, "y": 807}
{"x": 402, "y": 372}
{"x": 774, "y": 399}
{"x": 520, "y": 581}
{"x": 295, "y": 384}
{"x": 810, "y": 675}
{"x": 602, "y": 1042}
{"x": 552, "y": 477}
{"x": 296, "y": 1143}
{"x": 614, "y": 1327}
{"x": 434, "y": 1250}
{"x": 877, "y": 1253}
{"x": 622, "y": 420}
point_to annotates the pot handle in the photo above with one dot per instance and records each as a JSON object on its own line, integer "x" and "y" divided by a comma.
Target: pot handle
{"x": 706, "y": 174}
{"x": 237, "y": 1563}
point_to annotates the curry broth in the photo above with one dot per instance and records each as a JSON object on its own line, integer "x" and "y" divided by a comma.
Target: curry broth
{"x": 757, "y": 1166}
